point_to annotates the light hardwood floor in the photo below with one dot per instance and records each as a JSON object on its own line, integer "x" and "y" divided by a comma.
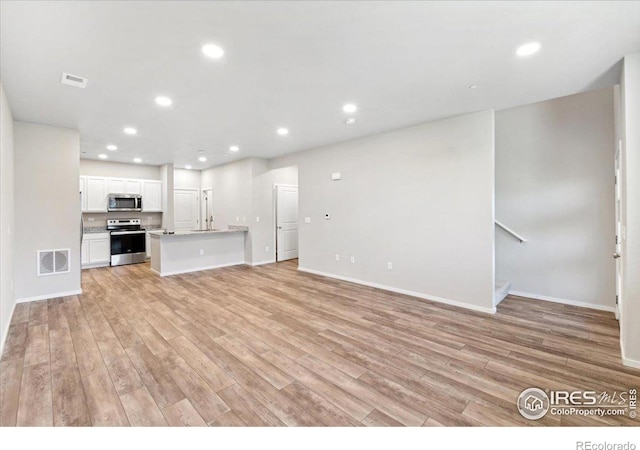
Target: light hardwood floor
{"x": 270, "y": 346}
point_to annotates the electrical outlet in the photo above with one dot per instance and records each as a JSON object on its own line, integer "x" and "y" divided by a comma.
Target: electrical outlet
{"x": 244, "y": 219}
{"x": 91, "y": 219}
{"x": 337, "y": 257}
{"x": 201, "y": 252}
{"x": 266, "y": 249}
{"x": 390, "y": 266}
{"x": 237, "y": 218}
{"x": 307, "y": 220}
{"x": 353, "y": 260}
{"x": 149, "y": 217}
{"x": 257, "y": 219}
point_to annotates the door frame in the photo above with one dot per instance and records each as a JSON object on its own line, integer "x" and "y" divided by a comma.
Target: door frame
{"x": 202, "y": 206}
{"x": 617, "y": 168}
{"x": 275, "y": 217}
{"x": 197, "y": 201}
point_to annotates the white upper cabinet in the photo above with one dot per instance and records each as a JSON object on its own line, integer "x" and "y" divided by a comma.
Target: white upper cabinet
{"x": 96, "y": 194}
{"x": 83, "y": 193}
{"x": 151, "y": 195}
{"x": 116, "y": 186}
{"x": 133, "y": 187}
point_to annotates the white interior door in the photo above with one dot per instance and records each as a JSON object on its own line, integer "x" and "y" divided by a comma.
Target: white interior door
{"x": 618, "y": 250}
{"x": 207, "y": 208}
{"x": 286, "y": 222}
{"x": 185, "y": 209}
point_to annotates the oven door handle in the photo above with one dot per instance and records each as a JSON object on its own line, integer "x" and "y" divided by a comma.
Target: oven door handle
{"x": 120, "y": 233}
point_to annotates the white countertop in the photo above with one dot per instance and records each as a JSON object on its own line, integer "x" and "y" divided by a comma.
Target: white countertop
{"x": 161, "y": 234}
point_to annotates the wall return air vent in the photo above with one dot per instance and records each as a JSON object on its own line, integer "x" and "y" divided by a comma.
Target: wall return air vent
{"x": 52, "y": 262}
{"x": 73, "y": 80}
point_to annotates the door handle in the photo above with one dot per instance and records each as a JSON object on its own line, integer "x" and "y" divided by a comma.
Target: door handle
{"x": 616, "y": 255}
{"x": 279, "y": 228}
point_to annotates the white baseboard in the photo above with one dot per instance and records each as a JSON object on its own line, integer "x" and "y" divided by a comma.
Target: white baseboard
{"x": 5, "y": 332}
{"x": 402, "y": 291}
{"x": 626, "y": 361}
{"x": 262, "y": 263}
{"x": 563, "y": 301}
{"x": 48, "y": 296}
{"x": 198, "y": 269}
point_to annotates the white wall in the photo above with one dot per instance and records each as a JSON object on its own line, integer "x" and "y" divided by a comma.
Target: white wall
{"x": 243, "y": 192}
{"x": 630, "y": 130}
{"x": 231, "y": 185}
{"x": 186, "y": 179}
{"x": 47, "y": 207}
{"x": 554, "y": 186}
{"x": 421, "y": 198}
{"x": 262, "y": 233}
{"x": 166, "y": 175}
{"x": 118, "y": 170}
{"x": 7, "y": 228}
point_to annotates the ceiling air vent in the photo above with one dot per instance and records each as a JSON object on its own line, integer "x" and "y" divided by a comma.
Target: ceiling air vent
{"x": 52, "y": 262}
{"x": 73, "y": 80}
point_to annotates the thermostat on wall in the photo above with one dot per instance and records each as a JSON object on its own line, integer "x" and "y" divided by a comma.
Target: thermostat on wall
{"x": 335, "y": 176}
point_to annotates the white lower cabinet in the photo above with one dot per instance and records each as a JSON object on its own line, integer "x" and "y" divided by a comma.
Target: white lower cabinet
{"x": 148, "y": 245}
{"x": 85, "y": 252}
{"x": 96, "y": 250}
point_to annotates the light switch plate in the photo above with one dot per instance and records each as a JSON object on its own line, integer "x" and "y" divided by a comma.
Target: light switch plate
{"x": 257, "y": 219}
{"x": 307, "y": 220}
{"x": 335, "y": 176}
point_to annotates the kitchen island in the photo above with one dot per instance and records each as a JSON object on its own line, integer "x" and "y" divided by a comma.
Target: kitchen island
{"x": 192, "y": 251}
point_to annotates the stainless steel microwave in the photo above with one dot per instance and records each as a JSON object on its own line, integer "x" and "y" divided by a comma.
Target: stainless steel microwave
{"x": 124, "y": 202}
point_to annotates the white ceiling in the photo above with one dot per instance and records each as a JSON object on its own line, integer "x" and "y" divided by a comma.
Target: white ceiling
{"x": 293, "y": 64}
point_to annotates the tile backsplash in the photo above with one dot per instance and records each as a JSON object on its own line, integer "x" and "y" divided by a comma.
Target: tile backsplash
{"x": 100, "y": 219}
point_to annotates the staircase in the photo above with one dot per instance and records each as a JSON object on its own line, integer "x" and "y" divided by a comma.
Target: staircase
{"x": 500, "y": 291}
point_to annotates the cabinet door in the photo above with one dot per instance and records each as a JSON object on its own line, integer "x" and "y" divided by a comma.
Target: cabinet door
{"x": 83, "y": 194}
{"x": 116, "y": 186}
{"x": 99, "y": 250}
{"x": 85, "y": 252}
{"x": 133, "y": 187}
{"x": 96, "y": 194}
{"x": 151, "y": 195}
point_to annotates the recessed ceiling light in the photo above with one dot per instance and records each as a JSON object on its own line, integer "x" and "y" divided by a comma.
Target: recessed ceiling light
{"x": 130, "y": 130}
{"x": 349, "y": 108}
{"x": 112, "y": 147}
{"x": 137, "y": 160}
{"x": 188, "y": 167}
{"x": 202, "y": 159}
{"x": 350, "y": 120}
{"x": 283, "y": 131}
{"x": 102, "y": 156}
{"x": 212, "y": 51}
{"x": 163, "y": 101}
{"x": 472, "y": 86}
{"x": 528, "y": 49}
{"x": 234, "y": 148}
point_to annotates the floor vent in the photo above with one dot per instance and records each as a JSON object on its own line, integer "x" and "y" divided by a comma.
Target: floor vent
{"x": 73, "y": 80}
{"x": 52, "y": 262}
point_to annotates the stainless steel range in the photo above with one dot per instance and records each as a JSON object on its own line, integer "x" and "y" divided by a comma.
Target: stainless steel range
{"x": 127, "y": 241}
